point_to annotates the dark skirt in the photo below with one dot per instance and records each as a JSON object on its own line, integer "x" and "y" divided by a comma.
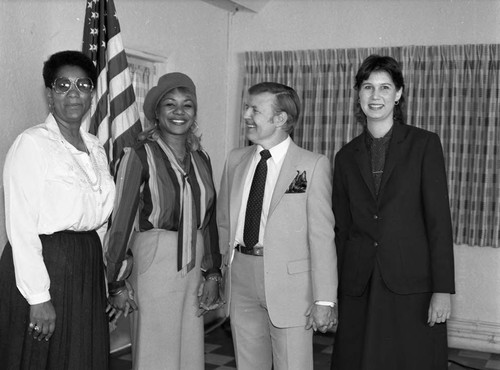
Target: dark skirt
{"x": 75, "y": 266}
{"x": 382, "y": 330}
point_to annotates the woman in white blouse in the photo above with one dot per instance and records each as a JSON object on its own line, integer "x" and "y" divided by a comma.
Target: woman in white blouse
{"x": 58, "y": 191}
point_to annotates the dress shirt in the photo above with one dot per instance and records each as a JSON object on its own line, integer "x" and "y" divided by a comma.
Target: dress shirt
{"x": 46, "y": 191}
{"x": 274, "y": 164}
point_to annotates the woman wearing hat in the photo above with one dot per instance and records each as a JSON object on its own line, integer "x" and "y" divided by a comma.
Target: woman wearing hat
{"x": 163, "y": 237}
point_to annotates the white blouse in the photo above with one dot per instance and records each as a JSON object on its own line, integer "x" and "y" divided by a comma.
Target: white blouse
{"x": 51, "y": 186}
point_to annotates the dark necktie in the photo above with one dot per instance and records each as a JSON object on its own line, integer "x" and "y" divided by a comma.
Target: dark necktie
{"x": 255, "y": 198}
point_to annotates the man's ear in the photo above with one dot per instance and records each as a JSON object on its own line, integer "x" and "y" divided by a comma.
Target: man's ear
{"x": 280, "y": 119}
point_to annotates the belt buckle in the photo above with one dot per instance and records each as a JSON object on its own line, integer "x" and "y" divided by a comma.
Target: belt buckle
{"x": 252, "y": 251}
{"x": 258, "y": 251}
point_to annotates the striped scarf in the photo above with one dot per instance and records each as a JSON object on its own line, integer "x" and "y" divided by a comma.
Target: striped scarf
{"x": 186, "y": 258}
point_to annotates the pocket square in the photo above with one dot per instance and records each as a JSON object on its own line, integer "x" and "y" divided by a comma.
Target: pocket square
{"x": 299, "y": 184}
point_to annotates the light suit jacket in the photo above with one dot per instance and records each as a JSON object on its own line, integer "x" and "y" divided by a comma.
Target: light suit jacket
{"x": 300, "y": 262}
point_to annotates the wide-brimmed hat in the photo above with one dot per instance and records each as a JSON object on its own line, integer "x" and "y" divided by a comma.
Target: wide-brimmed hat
{"x": 166, "y": 83}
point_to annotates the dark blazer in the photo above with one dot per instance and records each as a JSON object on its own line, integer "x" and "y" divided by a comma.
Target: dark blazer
{"x": 407, "y": 228}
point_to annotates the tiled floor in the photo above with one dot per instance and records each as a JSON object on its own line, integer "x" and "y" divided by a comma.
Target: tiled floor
{"x": 219, "y": 354}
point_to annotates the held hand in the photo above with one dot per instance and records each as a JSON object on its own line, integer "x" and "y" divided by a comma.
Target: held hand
{"x": 114, "y": 313}
{"x": 210, "y": 293}
{"x": 209, "y": 297}
{"x": 121, "y": 303}
{"x": 439, "y": 308}
{"x": 321, "y": 318}
{"x": 120, "y": 300}
{"x": 113, "y": 316}
{"x": 42, "y": 320}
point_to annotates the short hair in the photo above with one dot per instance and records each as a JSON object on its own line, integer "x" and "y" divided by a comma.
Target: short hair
{"x": 68, "y": 58}
{"x": 377, "y": 63}
{"x": 285, "y": 98}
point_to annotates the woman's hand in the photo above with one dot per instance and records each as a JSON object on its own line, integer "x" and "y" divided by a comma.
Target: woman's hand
{"x": 121, "y": 303}
{"x": 439, "y": 308}
{"x": 42, "y": 320}
{"x": 208, "y": 295}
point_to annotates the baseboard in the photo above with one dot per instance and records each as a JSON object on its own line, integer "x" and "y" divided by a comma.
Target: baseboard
{"x": 474, "y": 335}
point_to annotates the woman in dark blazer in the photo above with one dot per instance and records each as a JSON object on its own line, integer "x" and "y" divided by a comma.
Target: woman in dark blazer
{"x": 393, "y": 235}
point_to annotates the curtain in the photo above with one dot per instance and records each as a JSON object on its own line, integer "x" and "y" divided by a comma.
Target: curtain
{"x": 453, "y": 90}
{"x": 141, "y": 81}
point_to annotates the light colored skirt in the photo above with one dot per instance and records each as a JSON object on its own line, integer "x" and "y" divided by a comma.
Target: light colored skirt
{"x": 166, "y": 333}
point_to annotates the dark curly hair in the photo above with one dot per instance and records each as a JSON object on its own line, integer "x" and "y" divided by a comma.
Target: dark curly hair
{"x": 68, "y": 58}
{"x": 377, "y": 63}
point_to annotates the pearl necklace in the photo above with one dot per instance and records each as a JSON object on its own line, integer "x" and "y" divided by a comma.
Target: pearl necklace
{"x": 94, "y": 185}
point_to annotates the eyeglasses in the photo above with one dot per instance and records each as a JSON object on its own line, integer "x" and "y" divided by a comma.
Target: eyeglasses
{"x": 62, "y": 85}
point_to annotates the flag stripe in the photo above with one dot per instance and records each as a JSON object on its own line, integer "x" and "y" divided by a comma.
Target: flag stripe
{"x": 115, "y": 48}
{"x": 121, "y": 123}
{"x": 119, "y": 82}
{"x": 101, "y": 110}
{"x": 121, "y": 102}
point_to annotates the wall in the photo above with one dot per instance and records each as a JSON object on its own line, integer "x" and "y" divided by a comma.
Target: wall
{"x": 191, "y": 34}
{"x": 207, "y": 43}
{"x": 323, "y": 24}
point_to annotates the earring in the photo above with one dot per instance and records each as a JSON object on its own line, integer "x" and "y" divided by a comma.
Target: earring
{"x": 396, "y": 102}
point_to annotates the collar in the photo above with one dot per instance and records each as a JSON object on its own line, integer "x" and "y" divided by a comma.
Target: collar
{"x": 278, "y": 151}
{"x": 369, "y": 139}
{"x": 54, "y": 133}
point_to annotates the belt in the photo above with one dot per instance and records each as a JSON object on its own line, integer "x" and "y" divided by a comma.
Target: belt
{"x": 253, "y": 251}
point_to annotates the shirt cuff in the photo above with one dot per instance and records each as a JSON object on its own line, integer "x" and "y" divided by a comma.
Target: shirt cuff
{"x": 325, "y": 303}
{"x": 38, "y": 298}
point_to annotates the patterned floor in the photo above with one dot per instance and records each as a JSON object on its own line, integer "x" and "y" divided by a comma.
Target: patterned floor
{"x": 219, "y": 354}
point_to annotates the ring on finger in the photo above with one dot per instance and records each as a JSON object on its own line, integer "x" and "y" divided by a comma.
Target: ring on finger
{"x": 36, "y": 328}
{"x": 31, "y": 325}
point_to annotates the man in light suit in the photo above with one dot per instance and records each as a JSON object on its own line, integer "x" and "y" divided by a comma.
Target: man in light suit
{"x": 286, "y": 284}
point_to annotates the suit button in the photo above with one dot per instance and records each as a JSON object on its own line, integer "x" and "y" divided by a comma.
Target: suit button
{"x": 375, "y": 244}
{"x": 375, "y": 217}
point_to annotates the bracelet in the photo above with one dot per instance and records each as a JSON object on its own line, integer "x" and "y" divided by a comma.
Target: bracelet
{"x": 215, "y": 277}
{"x": 118, "y": 292}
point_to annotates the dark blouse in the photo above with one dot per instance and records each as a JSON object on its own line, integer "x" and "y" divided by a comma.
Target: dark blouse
{"x": 378, "y": 147}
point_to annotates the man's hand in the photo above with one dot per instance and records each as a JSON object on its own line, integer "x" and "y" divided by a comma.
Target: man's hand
{"x": 209, "y": 298}
{"x": 321, "y": 318}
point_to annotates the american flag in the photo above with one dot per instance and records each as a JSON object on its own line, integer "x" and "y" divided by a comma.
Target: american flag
{"x": 114, "y": 116}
